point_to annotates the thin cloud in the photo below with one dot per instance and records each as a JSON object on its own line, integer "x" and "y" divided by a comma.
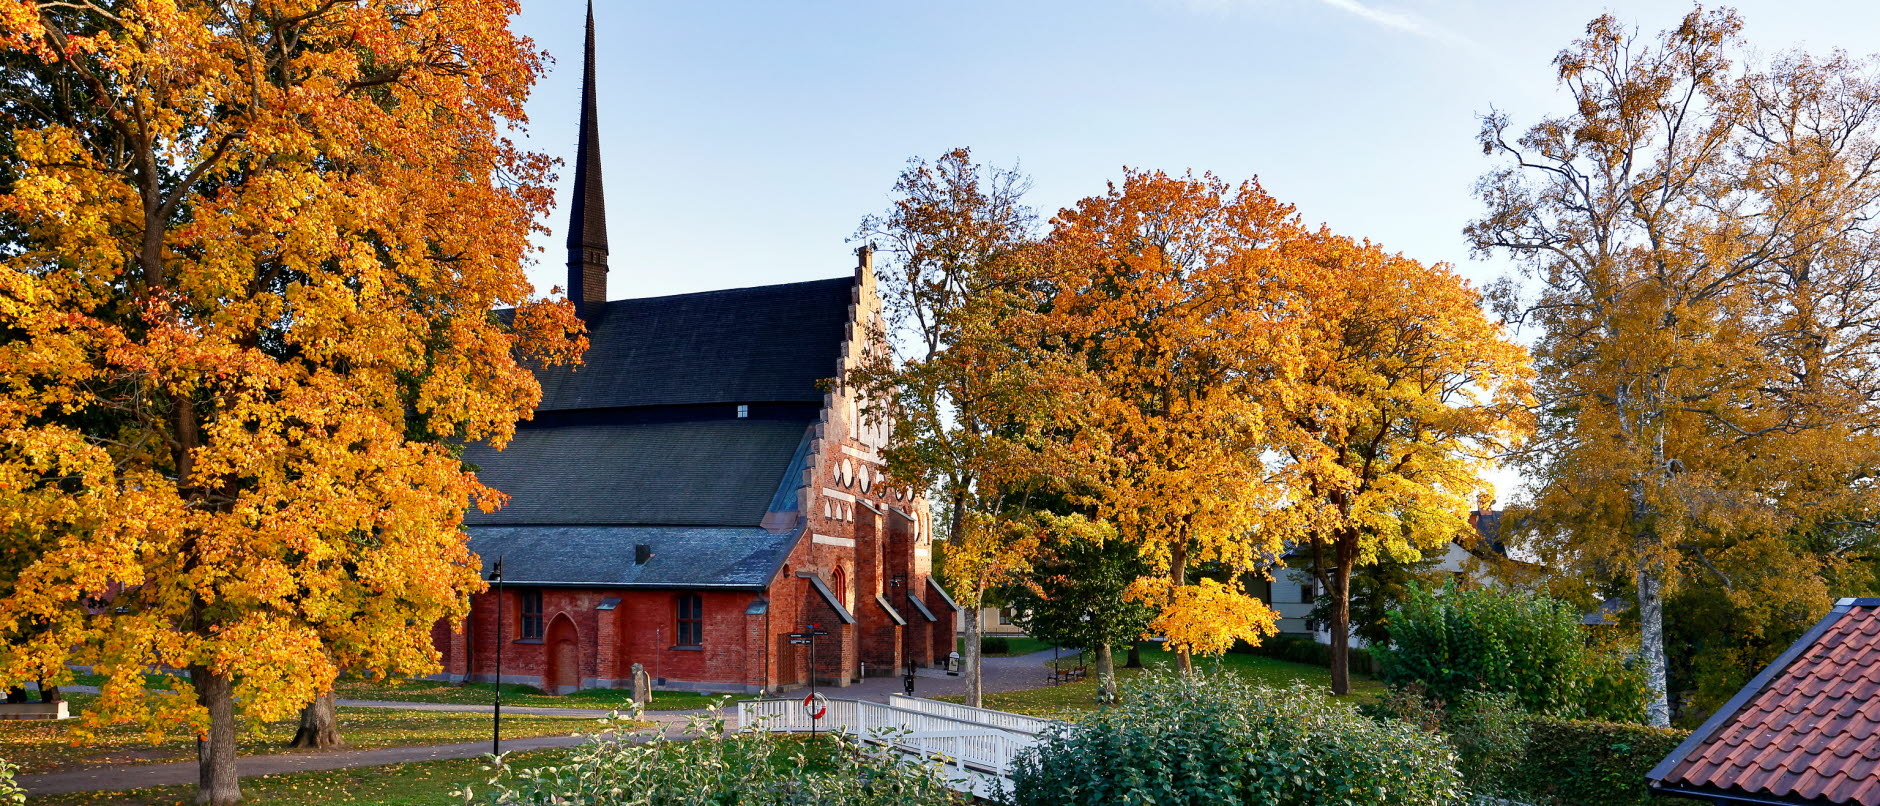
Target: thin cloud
{"x": 1408, "y": 23}
{"x": 1395, "y": 20}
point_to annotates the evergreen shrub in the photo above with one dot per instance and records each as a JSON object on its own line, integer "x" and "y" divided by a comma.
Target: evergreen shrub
{"x": 995, "y": 645}
{"x": 1205, "y": 738}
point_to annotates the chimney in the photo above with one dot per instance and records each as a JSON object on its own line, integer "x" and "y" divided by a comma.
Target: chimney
{"x": 587, "y": 224}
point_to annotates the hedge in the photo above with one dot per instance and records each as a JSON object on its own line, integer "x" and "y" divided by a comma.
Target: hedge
{"x": 1585, "y": 763}
{"x": 1305, "y": 649}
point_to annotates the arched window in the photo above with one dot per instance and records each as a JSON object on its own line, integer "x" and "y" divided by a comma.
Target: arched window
{"x": 842, "y": 587}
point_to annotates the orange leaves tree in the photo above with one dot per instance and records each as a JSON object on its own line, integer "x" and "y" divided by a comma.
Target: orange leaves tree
{"x": 250, "y": 256}
{"x": 1173, "y": 291}
{"x": 1405, "y": 393}
{"x": 1696, "y": 236}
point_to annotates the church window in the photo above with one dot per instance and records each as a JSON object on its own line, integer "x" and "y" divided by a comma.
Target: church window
{"x": 842, "y": 587}
{"x": 531, "y": 607}
{"x": 691, "y": 631}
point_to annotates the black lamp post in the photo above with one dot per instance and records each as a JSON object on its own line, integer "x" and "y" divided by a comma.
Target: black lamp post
{"x": 496, "y": 720}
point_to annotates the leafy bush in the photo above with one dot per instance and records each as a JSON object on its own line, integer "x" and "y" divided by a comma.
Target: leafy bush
{"x": 1215, "y": 739}
{"x": 995, "y": 645}
{"x": 620, "y": 767}
{"x": 1490, "y": 734}
{"x": 1576, "y": 763}
{"x": 1529, "y": 646}
{"x": 10, "y": 791}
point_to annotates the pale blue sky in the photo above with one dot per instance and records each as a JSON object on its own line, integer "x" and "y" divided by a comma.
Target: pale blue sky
{"x": 743, "y": 141}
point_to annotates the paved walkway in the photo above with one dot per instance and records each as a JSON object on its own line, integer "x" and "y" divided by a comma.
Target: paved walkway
{"x": 121, "y": 777}
{"x": 1001, "y": 674}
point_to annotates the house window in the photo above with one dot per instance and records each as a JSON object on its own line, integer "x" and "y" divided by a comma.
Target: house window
{"x": 691, "y": 631}
{"x": 1005, "y": 617}
{"x": 531, "y": 615}
{"x": 1306, "y": 593}
{"x": 744, "y": 410}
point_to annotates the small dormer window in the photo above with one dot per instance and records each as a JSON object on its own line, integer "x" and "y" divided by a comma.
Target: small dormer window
{"x": 744, "y": 411}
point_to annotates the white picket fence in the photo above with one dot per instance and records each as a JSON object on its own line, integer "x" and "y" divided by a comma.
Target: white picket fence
{"x": 976, "y": 744}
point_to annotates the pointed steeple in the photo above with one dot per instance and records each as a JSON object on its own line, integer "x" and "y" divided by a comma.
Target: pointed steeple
{"x": 587, "y": 226}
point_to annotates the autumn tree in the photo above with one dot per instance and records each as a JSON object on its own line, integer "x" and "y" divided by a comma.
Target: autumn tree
{"x": 964, "y": 379}
{"x": 1172, "y": 290}
{"x": 1076, "y": 591}
{"x": 251, "y": 255}
{"x": 1406, "y": 393}
{"x": 1696, "y": 241}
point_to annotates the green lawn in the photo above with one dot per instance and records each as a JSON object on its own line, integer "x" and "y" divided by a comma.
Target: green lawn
{"x": 483, "y": 693}
{"x": 1067, "y": 700}
{"x": 50, "y": 746}
{"x": 429, "y": 783}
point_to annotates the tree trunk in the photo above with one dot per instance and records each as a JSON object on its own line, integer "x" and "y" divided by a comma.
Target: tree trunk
{"x": 1341, "y": 628}
{"x": 969, "y": 658}
{"x": 218, "y": 783}
{"x": 1106, "y": 674}
{"x": 319, "y": 724}
{"x": 1178, "y": 573}
{"x": 17, "y": 695}
{"x": 49, "y": 693}
{"x": 1135, "y": 656}
{"x": 1651, "y": 616}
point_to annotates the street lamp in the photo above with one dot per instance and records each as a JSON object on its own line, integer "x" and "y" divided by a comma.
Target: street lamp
{"x": 496, "y": 719}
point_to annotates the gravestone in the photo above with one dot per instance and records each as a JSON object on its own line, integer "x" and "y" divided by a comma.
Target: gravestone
{"x": 642, "y": 685}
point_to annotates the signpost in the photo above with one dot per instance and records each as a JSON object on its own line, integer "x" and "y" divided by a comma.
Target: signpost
{"x": 496, "y": 721}
{"x": 812, "y": 704}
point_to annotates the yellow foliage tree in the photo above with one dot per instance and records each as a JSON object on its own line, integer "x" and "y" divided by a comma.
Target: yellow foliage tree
{"x": 251, "y": 253}
{"x": 1405, "y": 394}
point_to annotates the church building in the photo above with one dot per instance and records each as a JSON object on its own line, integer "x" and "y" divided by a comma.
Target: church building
{"x": 702, "y": 487}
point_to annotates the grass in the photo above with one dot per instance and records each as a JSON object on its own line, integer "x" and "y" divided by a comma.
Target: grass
{"x": 49, "y": 746}
{"x": 426, "y": 783}
{"x": 1067, "y": 700}
{"x": 484, "y": 693}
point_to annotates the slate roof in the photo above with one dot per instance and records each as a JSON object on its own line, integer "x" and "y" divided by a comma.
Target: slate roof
{"x": 683, "y": 557}
{"x": 702, "y": 473}
{"x": 772, "y": 343}
{"x": 1805, "y": 731}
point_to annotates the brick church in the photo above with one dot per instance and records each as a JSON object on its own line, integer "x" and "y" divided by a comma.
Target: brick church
{"x": 695, "y": 492}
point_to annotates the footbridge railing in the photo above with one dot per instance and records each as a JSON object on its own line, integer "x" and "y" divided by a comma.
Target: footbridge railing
{"x": 977, "y": 744}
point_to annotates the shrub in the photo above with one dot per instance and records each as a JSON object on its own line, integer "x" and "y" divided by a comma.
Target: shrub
{"x": 995, "y": 645}
{"x": 1577, "y": 763}
{"x": 722, "y": 767}
{"x": 1490, "y": 734}
{"x": 10, "y": 791}
{"x": 1528, "y": 646}
{"x": 1215, "y": 739}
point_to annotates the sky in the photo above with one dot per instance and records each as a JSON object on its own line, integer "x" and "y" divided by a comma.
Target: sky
{"x": 744, "y": 141}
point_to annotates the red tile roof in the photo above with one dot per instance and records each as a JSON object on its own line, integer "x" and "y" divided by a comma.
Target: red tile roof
{"x": 1805, "y": 731}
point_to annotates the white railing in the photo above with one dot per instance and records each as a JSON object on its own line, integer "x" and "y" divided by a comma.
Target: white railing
{"x": 980, "y": 752}
{"x": 1018, "y": 723}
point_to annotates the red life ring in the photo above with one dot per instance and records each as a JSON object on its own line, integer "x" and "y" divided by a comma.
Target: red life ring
{"x": 815, "y": 705}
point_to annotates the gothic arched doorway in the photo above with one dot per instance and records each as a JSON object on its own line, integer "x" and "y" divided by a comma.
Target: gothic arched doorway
{"x": 564, "y": 657}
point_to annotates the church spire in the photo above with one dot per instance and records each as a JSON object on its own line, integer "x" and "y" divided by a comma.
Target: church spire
{"x": 587, "y": 225}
